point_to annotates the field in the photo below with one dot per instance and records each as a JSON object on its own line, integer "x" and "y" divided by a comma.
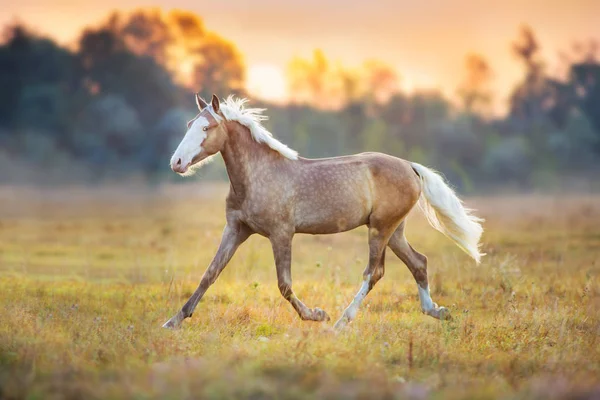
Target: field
{"x": 87, "y": 278}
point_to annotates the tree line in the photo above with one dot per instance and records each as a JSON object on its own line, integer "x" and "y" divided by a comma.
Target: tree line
{"x": 115, "y": 105}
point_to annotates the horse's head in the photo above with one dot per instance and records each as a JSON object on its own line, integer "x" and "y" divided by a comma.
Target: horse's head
{"x": 205, "y": 136}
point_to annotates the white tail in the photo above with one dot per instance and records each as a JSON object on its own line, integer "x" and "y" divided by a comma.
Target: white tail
{"x": 446, "y": 213}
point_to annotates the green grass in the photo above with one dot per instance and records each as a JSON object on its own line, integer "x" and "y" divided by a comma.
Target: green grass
{"x": 86, "y": 282}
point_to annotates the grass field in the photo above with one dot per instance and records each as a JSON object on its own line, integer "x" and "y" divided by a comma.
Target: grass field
{"x": 88, "y": 277}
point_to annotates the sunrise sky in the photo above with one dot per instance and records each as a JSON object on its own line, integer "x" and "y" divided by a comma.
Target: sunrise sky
{"x": 426, "y": 40}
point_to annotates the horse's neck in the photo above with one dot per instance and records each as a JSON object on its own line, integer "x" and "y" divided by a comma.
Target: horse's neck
{"x": 244, "y": 156}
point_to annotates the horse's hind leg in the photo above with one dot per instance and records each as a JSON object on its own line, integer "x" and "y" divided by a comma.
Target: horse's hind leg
{"x": 282, "y": 250}
{"x": 417, "y": 264}
{"x": 372, "y": 274}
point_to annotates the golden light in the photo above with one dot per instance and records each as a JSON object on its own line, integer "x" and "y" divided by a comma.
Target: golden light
{"x": 267, "y": 82}
{"x": 414, "y": 79}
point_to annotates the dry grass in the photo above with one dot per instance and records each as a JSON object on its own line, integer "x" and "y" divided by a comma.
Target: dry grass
{"x": 87, "y": 279}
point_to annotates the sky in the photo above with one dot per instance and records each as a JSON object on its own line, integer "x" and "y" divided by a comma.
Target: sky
{"x": 426, "y": 41}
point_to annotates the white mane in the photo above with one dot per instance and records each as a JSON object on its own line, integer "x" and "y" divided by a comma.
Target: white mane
{"x": 233, "y": 109}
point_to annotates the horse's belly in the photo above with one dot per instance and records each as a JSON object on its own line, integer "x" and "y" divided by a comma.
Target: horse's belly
{"x": 330, "y": 226}
{"x": 333, "y": 197}
{"x": 337, "y": 215}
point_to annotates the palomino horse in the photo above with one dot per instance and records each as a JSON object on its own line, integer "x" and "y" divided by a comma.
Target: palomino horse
{"x": 277, "y": 194}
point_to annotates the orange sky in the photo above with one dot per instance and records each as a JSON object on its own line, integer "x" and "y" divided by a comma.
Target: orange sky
{"x": 426, "y": 40}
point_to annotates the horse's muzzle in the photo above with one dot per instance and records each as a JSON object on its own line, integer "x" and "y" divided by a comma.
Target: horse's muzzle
{"x": 179, "y": 167}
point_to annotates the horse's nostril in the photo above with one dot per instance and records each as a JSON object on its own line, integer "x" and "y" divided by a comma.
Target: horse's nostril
{"x": 179, "y": 161}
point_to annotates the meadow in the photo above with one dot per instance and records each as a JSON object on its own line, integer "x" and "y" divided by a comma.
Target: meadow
{"x": 88, "y": 276}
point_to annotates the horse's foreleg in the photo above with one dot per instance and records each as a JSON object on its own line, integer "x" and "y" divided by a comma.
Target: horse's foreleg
{"x": 371, "y": 275}
{"x": 282, "y": 250}
{"x": 233, "y": 235}
{"x": 417, "y": 264}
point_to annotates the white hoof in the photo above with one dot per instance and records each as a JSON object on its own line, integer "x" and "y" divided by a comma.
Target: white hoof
{"x": 441, "y": 313}
{"x": 341, "y": 323}
{"x": 174, "y": 322}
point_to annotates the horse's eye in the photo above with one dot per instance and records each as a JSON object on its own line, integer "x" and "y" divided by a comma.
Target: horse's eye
{"x": 205, "y": 128}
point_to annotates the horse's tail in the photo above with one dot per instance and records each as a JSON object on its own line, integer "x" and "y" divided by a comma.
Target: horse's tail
{"x": 446, "y": 213}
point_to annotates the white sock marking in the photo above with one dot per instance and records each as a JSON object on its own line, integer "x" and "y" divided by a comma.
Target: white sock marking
{"x": 352, "y": 309}
{"x": 425, "y": 297}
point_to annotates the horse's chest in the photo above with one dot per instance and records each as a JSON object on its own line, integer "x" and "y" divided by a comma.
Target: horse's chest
{"x": 264, "y": 218}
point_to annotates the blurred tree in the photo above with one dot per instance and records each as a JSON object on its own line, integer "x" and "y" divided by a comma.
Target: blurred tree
{"x": 398, "y": 110}
{"x": 219, "y": 68}
{"x": 508, "y": 161}
{"x": 196, "y": 58}
{"x": 374, "y": 137}
{"x": 351, "y": 87}
{"x": 576, "y": 145}
{"x": 109, "y": 130}
{"x": 475, "y": 92}
{"x": 585, "y": 78}
{"x": 428, "y": 111}
{"x": 414, "y": 119}
{"x": 381, "y": 81}
{"x": 110, "y": 67}
{"x": 538, "y": 97}
{"x": 460, "y": 141}
{"x": 37, "y": 77}
{"x": 321, "y": 84}
{"x": 312, "y": 81}
{"x": 43, "y": 107}
{"x": 118, "y": 103}
{"x": 528, "y": 100}
{"x": 145, "y": 32}
{"x": 321, "y": 134}
{"x": 189, "y": 34}
{"x": 355, "y": 117}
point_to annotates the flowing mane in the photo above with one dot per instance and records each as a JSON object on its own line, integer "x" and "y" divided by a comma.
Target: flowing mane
{"x": 234, "y": 110}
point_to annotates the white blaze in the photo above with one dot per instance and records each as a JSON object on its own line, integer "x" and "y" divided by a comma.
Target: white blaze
{"x": 191, "y": 145}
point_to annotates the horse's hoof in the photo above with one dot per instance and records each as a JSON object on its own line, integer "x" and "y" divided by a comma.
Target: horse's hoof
{"x": 169, "y": 325}
{"x": 441, "y": 313}
{"x": 444, "y": 314}
{"x": 173, "y": 323}
{"x": 320, "y": 315}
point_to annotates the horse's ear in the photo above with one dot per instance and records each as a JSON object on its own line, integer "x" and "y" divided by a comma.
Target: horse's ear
{"x": 200, "y": 102}
{"x": 215, "y": 103}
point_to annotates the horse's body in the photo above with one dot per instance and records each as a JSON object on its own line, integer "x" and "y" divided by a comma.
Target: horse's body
{"x": 324, "y": 196}
{"x": 276, "y": 194}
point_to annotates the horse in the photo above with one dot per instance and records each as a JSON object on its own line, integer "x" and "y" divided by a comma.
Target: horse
{"x": 277, "y": 194}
